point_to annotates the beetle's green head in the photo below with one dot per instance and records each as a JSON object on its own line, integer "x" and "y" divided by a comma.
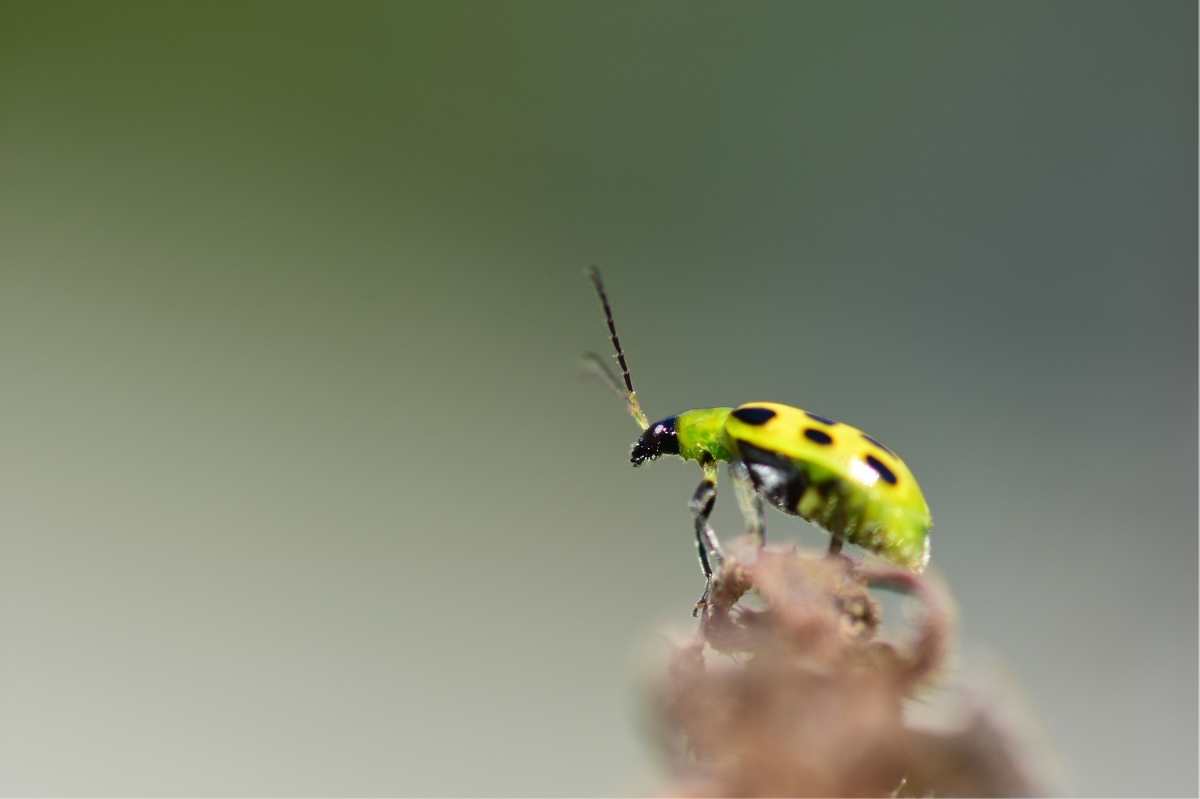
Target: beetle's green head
{"x": 660, "y": 438}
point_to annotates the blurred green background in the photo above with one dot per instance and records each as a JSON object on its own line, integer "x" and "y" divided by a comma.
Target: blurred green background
{"x": 301, "y": 492}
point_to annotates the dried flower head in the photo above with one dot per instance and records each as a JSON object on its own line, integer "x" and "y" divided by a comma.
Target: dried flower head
{"x": 798, "y": 697}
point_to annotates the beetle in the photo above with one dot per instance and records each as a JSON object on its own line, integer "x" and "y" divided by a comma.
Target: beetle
{"x": 827, "y": 472}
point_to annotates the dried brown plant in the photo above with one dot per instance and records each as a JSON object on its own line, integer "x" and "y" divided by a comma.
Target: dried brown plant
{"x": 799, "y": 697}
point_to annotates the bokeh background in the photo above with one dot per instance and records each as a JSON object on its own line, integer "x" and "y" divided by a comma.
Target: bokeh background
{"x": 301, "y": 492}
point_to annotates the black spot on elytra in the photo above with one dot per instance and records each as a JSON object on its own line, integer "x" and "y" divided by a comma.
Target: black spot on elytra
{"x": 754, "y": 416}
{"x": 887, "y": 474}
{"x": 820, "y": 419}
{"x": 877, "y": 443}
{"x": 817, "y": 436}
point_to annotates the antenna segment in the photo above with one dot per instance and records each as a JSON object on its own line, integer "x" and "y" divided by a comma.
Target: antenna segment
{"x": 631, "y": 400}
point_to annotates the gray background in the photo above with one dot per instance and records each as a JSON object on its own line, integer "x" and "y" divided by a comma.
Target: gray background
{"x": 300, "y": 493}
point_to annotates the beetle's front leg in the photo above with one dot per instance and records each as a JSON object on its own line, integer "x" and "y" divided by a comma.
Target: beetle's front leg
{"x": 708, "y": 548}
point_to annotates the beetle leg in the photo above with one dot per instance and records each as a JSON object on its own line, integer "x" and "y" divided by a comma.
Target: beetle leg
{"x": 701, "y": 505}
{"x": 749, "y": 501}
{"x": 708, "y": 548}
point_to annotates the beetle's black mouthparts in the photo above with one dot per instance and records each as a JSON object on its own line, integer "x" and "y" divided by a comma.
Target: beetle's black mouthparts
{"x": 658, "y": 440}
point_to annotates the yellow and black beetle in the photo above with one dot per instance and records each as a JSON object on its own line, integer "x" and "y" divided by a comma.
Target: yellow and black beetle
{"x": 824, "y": 471}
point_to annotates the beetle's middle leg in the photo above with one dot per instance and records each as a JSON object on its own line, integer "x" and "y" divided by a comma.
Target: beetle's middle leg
{"x": 708, "y": 548}
{"x": 749, "y": 500}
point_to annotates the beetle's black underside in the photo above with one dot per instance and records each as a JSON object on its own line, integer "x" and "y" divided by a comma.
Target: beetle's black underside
{"x": 783, "y": 484}
{"x": 774, "y": 477}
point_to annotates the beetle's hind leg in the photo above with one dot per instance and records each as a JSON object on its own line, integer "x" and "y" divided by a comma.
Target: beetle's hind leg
{"x": 749, "y": 500}
{"x": 708, "y": 548}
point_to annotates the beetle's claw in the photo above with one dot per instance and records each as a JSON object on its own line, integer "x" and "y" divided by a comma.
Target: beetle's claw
{"x": 702, "y": 602}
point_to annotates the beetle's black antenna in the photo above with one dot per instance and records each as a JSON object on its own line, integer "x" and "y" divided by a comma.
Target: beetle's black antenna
{"x": 635, "y": 408}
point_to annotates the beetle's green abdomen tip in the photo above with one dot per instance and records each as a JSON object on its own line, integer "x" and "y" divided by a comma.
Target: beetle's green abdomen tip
{"x": 909, "y": 548}
{"x": 917, "y": 558}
